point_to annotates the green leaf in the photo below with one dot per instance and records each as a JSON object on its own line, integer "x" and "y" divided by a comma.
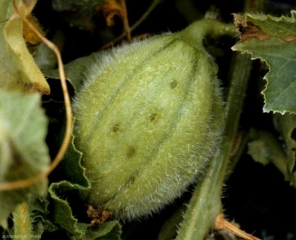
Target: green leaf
{"x": 44, "y": 57}
{"x": 265, "y": 148}
{"x": 23, "y": 152}
{"x": 108, "y": 231}
{"x": 62, "y": 211}
{"x": 70, "y": 168}
{"x": 170, "y": 227}
{"x": 39, "y": 215}
{"x": 18, "y": 69}
{"x": 76, "y": 70}
{"x": 73, "y": 169}
{"x": 286, "y": 126}
{"x": 65, "y": 195}
{"x": 273, "y": 40}
{"x": 64, "y": 217}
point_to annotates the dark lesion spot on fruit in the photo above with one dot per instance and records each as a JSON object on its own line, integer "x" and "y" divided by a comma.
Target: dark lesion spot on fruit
{"x": 115, "y": 128}
{"x": 131, "y": 180}
{"x": 173, "y": 84}
{"x": 152, "y": 117}
{"x": 130, "y": 152}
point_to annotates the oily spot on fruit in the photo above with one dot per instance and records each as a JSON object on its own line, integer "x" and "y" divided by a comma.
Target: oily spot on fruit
{"x": 131, "y": 180}
{"x": 116, "y": 127}
{"x": 155, "y": 115}
{"x": 152, "y": 117}
{"x": 130, "y": 152}
{"x": 173, "y": 84}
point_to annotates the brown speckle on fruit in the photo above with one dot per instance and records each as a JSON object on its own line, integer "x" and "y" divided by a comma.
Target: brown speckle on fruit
{"x": 173, "y": 84}
{"x": 152, "y": 117}
{"x": 131, "y": 180}
{"x": 115, "y": 128}
{"x": 130, "y": 152}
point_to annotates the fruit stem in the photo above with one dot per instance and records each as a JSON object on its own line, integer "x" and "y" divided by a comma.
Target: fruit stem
{"x": 195, "y": 33}
{"x": 205, "y": 204}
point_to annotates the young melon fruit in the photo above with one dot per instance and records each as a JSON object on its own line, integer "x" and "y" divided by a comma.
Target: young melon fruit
{"x": 148, "y": 119}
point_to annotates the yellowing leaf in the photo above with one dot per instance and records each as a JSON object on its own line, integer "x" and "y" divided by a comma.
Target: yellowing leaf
{"x": 23, "y": 152}
{"x": 18, "y": 70}
{"x": 273, "y": 40}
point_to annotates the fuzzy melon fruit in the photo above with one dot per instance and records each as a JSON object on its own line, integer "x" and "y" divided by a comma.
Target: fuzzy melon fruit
{"x": 148, "y": 119}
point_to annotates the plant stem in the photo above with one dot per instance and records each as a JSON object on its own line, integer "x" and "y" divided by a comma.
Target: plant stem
{"x": 205, "y": 204}
{"x": 125, "y": 22}
{"x": 22, "y": 221}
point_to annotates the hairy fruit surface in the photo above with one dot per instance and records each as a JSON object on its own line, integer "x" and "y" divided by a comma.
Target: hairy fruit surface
{"x": 148, "y": 119}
